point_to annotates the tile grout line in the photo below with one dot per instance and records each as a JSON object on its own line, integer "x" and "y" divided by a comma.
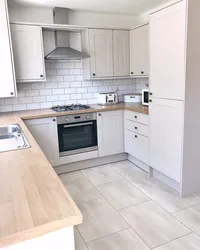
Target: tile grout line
{"x": 81, "y": 237}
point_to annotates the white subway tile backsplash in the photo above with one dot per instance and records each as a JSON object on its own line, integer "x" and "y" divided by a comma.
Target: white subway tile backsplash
{"x": 62, "y": 88}
{"x": 46, "y": 92}
{"x": 25, "y": 100}
{"x": 75, "y": 96}
{"x": 57, "y": 78}
{"x": 58, "y": 91}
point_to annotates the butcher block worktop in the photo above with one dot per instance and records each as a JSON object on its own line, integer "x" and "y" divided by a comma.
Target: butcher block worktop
{"x": 33, "y": 200}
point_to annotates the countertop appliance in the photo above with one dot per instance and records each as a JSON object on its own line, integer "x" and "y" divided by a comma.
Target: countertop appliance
{"x": 145, "y": 97}
{"x": 107, "y": 98}
{"x": 63, "y": 108}
{"x": 77, "y": 133}
{"x": 133, "y": 98}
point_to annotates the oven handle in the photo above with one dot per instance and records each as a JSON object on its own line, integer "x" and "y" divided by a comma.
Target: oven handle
{"x": 77, "y": 125}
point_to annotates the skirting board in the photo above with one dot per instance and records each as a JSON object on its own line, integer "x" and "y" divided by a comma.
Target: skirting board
{"x": 138, "y": 163}
{"x": 90, "y": 163}
{"x": 166, "y": 180}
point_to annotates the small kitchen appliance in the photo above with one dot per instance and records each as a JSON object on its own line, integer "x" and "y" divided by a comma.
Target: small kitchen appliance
{"x": 145, "y": 97}
{"x": 107, "y": 98}
{"x": 133, "y": 98}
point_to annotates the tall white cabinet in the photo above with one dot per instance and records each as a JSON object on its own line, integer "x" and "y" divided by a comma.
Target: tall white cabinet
{"x": 28, "y": 51}
{"x": 8, "y": 84}
{"x": 139, "y": 51}
{"x": 174, "y": 121}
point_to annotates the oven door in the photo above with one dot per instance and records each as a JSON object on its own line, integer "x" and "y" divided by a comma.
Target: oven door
{"x": 75, "y": 138}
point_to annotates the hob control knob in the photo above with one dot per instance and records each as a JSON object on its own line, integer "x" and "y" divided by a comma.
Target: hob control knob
{"x": 87, "y": 117}
{"x": 66, "y": 119}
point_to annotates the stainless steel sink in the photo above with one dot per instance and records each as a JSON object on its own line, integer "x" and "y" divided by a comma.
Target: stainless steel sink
{"x": 12, "y": 138}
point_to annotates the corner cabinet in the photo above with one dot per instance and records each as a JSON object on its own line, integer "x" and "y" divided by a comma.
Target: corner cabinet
{"x": 110, "y": 133}
{"x": 28, "y": 52}
{"x": 46, "y": 135}
{"x": 8, "y": 83}
{"x": 139, "y": 51}
{"x": 108, "y": 52}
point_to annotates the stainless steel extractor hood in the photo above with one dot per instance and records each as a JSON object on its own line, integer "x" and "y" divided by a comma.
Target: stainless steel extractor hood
{"x": 64, "y": 47}
{"x": 65, "y": 53}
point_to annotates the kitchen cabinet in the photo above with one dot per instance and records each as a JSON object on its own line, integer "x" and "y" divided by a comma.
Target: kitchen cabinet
{"x": 167, "y": 60}
{"x": 108, "y": 52}
{"x": 110, "y": 133}
{"x": 28, "y": 53}
{"x": 45, "y": 133}
{"x": 8, "y": 83}
{"x": 136, "y": 135}
{"x": 121, "y": 44}
{"x": 139, "y": 51}
{"x": 166, "y": 136}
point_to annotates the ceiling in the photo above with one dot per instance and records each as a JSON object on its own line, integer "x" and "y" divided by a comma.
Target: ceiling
{"x": 133, "y": 7}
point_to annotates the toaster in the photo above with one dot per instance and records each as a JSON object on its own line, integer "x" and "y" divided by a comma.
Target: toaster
{"x": 107, "y": 98}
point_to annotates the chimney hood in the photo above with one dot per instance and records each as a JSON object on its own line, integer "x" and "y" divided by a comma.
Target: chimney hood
{"x": 67, "y": 43}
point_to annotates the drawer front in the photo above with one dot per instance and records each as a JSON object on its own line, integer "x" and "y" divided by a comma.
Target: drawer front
{"x": 137, "y": 117}
{"x": 137, "y": 146}
{"x": 136, "y": 127}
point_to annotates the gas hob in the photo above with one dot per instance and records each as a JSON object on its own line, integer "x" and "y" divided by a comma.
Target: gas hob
{"x": 70, "y": 107}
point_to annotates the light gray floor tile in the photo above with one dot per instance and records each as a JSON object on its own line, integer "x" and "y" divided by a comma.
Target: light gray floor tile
{"x": 135, "y": 175}
{"x": 79, "y": 243}
{"x": 124, "y": 240}
{"x": 168, "y": 198}
{"x": 190, "y": 217}
{"x": 82, "y": 190}
{"x": 72, "y": 176}
{"x": 100, "y": 175}
{"x": 121, "y": 194}
{"x": 99, "y": 220}
{"x": 153, "y": 224}
{"x": 188, "y": 242}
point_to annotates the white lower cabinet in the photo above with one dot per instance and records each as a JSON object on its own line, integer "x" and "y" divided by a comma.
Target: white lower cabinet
{"x": 166, "y": 137}
{"x": 45, "y": 133}
{"x": 136, "y": 135}
{"x": 110, "y": 132}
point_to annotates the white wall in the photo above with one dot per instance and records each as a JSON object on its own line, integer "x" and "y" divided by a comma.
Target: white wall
{"x": 20, "y": 13}
{"x": 100, "y": 19}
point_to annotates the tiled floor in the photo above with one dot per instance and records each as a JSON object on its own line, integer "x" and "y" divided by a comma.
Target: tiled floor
{"x": 125, "y": 210}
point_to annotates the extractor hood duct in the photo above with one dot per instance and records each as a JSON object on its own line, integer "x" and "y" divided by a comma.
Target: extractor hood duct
{"x": 63, "y": 49}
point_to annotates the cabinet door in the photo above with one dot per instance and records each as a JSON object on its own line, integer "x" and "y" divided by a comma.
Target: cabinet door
{"x": 167, "y": 52}
{"x": 28, "y": 52}
{"x": 145, "y": 50}
{"x": 121, "y": 50}
{"x": 8, "y": 84}
{"x": 139, "y": 51}
{"x": 110, "y": 133}
{"x": 45, "y": 133}
{"x": 166, "y": 136}
{"x": 101, "y": 52}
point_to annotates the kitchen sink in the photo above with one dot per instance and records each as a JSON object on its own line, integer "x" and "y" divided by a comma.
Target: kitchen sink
{"x": 12, "y": 138}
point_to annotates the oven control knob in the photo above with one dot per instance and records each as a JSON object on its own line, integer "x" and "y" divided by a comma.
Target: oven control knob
{"x": 87, "y": 117}
{"x": 66, "y": 119}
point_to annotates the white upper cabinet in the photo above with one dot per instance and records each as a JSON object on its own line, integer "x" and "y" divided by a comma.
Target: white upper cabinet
{"x": 167, "y": 60}
{"x": 121, "y": 44}
{"x": 110, "y": 133}
{"x": 28, "y": 53}
{"x": 166, "y": 137}
{"x": 101, "y": 52}
{"x": 8, "y": 84}
{"x": 139, "y": 51}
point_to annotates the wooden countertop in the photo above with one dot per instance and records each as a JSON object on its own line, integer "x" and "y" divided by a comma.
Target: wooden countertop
{"x": 33, "y": 200}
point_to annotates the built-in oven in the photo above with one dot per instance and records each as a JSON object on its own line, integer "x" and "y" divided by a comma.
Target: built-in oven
{"x": 77, "y": 134}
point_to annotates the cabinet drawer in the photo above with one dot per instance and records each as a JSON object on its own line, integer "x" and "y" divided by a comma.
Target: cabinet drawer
{"x": 137, "y": 146}
{"x": 137, "y": 117}
{"x": 136, "y": 127}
